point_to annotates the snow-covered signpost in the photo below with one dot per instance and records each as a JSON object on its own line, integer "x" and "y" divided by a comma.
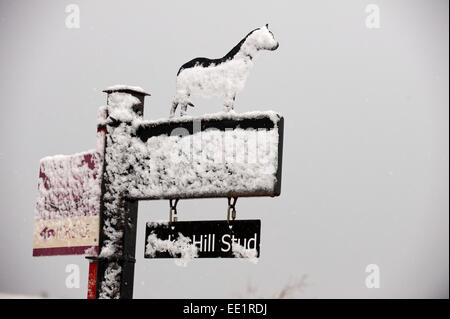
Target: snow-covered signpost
{"x": 88, "y": 202}
{"x": 219, "y": 155}
{"x": 226, "y": 155}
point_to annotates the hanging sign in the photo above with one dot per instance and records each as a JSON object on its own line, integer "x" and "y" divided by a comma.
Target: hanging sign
{"x": 203, "y": 239}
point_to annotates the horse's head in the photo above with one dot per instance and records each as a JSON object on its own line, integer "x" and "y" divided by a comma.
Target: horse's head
{"x": 264, "y": 40}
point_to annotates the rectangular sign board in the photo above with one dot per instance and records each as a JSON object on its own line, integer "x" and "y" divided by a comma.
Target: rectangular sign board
{"x": 210, "y": 239}
{"x": 215, "y": 155}
{"x": 68, "y": 205}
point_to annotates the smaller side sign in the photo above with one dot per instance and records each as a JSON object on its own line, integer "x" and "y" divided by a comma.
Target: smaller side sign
{"x": 208, "y": 239}
{"x": 67, "y": 209}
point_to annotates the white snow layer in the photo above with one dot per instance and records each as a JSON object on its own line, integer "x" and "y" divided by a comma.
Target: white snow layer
{"x": 156, "y": 223}
{"x": 69, "y": 186}
{"x": 111, "y": 284}
{"x": 181, "y": 247}
{"x": 240, "y": 251}
{"x": 120, "y": 106}
{"x": 220, "y": 80}
{"x": 207, "y": 163}
{"x": 102, "y": 115}
{"x": 122, "y": 87}
{"x": 224, "y": 115}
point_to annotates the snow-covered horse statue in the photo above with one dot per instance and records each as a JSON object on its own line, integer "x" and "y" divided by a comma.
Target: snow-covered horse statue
{"x": 222, "y": 77}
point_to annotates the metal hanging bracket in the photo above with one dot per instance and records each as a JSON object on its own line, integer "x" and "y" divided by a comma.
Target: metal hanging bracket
{"x": 231, "y": 208}
{"x": 173, "y": 210}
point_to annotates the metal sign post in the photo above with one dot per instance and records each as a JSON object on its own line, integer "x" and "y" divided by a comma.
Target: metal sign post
{"x": 118, "y": 214}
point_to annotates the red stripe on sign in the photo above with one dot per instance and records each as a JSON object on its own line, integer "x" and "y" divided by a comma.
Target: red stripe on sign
{"x": 78, "y": 250}
{"x": 92, "y": 281}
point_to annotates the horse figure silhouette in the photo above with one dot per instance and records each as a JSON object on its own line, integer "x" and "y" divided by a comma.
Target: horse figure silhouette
{"x": 223, "y": 77}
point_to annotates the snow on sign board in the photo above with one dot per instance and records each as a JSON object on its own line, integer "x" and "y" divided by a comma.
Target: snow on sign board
{"x": 214, "y": 155}
{"x": 203, "y": 239}
{"x": 68, "y": 205}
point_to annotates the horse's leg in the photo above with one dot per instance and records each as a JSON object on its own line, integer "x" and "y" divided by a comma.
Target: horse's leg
{"x": 174, "y": 108}
{"x": 186, "y": 102}
{"x": 181, "y": 98}
{"x": 229, "y": 103}
{"x": 183, "y": 111}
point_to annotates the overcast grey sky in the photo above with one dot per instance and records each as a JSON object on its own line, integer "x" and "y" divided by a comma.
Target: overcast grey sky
{"x": 365, "y": 167}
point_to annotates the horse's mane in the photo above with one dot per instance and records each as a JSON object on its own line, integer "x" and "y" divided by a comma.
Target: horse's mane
{"x": 237, "y": 47}
{"x": 205, "y": 62}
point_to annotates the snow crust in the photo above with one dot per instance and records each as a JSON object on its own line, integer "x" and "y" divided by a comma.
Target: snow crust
{"x": 232, "y": 115}
{"x": 181, "y": 247}
{"x": 69, "y": 185}
{"x": 157, "y": 223}
{"x": 120, "y": 106}
{"x": 240, "y": 251}
{"x": 261, "y": 39}
{"x": 91, "y": 251}
{"x": 102, "y": 115}
{"x": 111, "y": 284}
{"x": 207, "y": 163}
{"x": 122, "y": 87}
{"x": 218, "y": 80}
